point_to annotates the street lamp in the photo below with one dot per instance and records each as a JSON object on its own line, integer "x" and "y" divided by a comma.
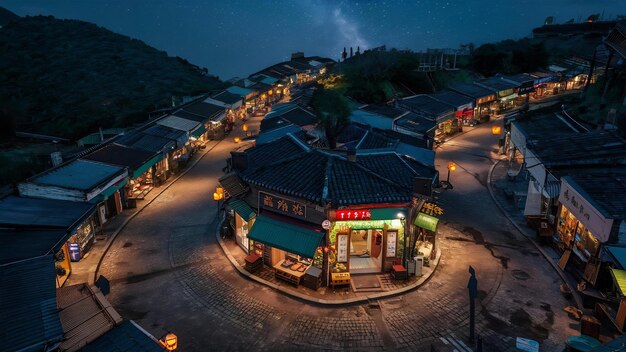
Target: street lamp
{"x": 496, "y": 130}
{"x": 451, "y": 167}
{"x": 245, "y": 129}
{"x": 169, "y": 341}
{"x": 218, "y": 195}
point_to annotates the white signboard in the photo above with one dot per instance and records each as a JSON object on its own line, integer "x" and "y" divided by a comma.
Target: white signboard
{"x": 580, "y": 207}
{"x": 342, "y": 248}
{"x": 392, "y": 237}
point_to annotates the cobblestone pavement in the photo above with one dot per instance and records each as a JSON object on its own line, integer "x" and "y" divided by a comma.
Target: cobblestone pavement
{"x": 168, "y": 274}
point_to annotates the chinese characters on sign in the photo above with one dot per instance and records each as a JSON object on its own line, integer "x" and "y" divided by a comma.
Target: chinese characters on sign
{"x": 431, "y": 209}
{"x": 392, "y": 237}
{"x": 342, "y": 248}
{"x": 576, "y": 205}
{"x": 282, "y": 205}
{"x": 353, "y": 214}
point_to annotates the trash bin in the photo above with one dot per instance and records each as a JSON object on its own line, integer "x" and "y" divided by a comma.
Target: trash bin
{"x": 419, "y": 264}
{"x": 74, "y": 250}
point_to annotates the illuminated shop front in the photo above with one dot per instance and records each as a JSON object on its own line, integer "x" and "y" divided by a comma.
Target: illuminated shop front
{"x": 585, "y": 223}
{"x": 366, "y": 240}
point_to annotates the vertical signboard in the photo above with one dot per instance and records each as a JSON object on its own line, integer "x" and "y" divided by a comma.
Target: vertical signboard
{"x": 392, "y": 239}
{"x": 342, "y": 248}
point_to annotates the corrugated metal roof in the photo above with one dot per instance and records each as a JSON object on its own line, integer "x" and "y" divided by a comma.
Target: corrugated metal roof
{"x": 242, "y": 92}
{"x": 30, "y": 321}
{"x": 167, "y": 132}
{"x": 43, "y": 212}
{"x": 233, "y": 184}
{"x": 85, "y": 315}
{"x": 178, "y": 123}
{"x": 121, "y": 156}
{"x": 125, "y": 337}
{"x": 20, "y": 244}
{"x": 148, "y": 142}
{"x": 79, "y": 174}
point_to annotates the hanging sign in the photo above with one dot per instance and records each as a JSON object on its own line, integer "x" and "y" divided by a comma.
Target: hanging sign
{"x": 342, "y": 248}
{"x": 431, "y": 209}
{"x": 326, "y": 224}
{"x": 353, "y": 214}
{"x": 282, "y": 205}
{"x": 392, "y": 238}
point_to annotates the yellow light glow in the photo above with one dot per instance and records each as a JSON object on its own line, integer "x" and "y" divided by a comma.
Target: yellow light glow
{"x": 451, "y": 166}
{"x": 237, "y": 140}
{"x": 216, "y": 196}
{"x": 496, "y": 129}
{"x": 219, "y": 190}
{"x": 270, "y": 92}
{"x": 170, "y": 342}
{"x": 263, "y": 96}
{"x": 244, "y": 127}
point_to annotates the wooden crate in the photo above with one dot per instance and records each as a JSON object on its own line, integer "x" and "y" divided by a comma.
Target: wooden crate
{"x": 338, "y": 279}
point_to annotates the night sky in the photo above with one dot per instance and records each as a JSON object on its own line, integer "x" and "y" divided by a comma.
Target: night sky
{"x": 239, "y": 37}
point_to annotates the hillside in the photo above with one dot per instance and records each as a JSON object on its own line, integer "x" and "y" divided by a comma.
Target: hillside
{"x": 67, "y": 77}
{"x": 6, "y": 16}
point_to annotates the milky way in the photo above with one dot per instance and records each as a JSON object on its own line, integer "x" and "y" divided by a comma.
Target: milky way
{"x": 238, "y": 37}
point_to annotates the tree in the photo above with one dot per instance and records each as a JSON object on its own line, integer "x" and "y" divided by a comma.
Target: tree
{"x": 333, "y": 111}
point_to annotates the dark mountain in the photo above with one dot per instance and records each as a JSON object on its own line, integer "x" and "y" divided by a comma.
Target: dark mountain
{"x": 67, "y": 78}
{"x": 6, "y": 16}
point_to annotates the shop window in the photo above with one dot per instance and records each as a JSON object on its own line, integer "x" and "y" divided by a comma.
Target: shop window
{"x": 566, "y": 226}
{"x": 586, "y": 243}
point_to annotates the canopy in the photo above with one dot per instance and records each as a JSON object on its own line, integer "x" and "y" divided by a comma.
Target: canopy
{"x": 388, "y": 213}
{"x": 198, "y": 131}
{"x": 426, "y": 221}
{"x": 109, "y": 191}
{"x": 143, "y": 168}
{"x": 286, "y": 236}
{"x": 242, "y": 208}
{"x": 619, "y": 277}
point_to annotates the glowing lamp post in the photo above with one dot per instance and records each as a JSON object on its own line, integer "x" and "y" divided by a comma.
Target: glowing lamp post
{"x": 218, "y": 195}
{"x": 245, "y": 129}
{"x": 451, "y": 168}
{"x": 169, "y": 341}
{"x": 496, "y": 130}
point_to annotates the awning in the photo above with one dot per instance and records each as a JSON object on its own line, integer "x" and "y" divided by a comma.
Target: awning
{"x": 509, "y": 97}
{"x": 388, "y": 213}
{"x": 285, "y": 236}
{"x": 619, "y": 277}
{"x": 426, "y": 221}
{"x": 198, "y": 132}
{"x": 143, "y": 168}
{"x": 241, "y": 208}
{"x": 109, "y": 191}
{"x": 553, "y": 189}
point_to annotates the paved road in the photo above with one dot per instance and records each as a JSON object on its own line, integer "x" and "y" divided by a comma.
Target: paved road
{"x": 168, "y": 273}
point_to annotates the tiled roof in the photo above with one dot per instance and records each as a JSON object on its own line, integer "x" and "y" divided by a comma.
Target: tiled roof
{"x": 399, "y": 169}
{"x": 79, "y": 174}
{"x": 284, "y": 147}
{"x": 373, "y": 140}
{"x": 126, "y": 337}
{"x": 242, "y": 92}
{"x": 120, "y": 155}
{"x": 519, "y": 78}
{"x": 233, "y": 184}
{"x": 268, "y": 124}
{"x": 606, "y": 187}
{"x": 35, "y": 212}
{"x": 30, "y": 320}
{"x": 276, "y": 133}
{"x": 544, "y": 127}
{"x": 597, "y": 147}
{"x": 352, "y": 132}
{"x": 206, "y": 110}
{"x": 319, "y": 176}
{"x": 300, "y": 116}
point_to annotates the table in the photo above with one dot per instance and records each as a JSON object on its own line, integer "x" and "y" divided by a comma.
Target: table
{"x": 291, "y": 276}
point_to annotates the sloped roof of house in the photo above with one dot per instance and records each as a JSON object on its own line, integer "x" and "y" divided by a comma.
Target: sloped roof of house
{"x": 120, "y": 155}
{"x": 427, "y": 105}
{"x": 178, "y": 123}
{"x": 30, "y": 319}
{"x": 452, "y": 98}
{"x": 227, "y": 97}
{"x": 472, "y": 90}
{"x": 79, "y": 174}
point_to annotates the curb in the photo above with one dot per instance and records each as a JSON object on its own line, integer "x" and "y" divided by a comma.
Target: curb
{"x": 556, "y": 268}
{"x": 326, "y": 302}
{"x": 107, "y": 246}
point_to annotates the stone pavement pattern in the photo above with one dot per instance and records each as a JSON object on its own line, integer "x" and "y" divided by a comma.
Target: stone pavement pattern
{"x": 168, "y": 273}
